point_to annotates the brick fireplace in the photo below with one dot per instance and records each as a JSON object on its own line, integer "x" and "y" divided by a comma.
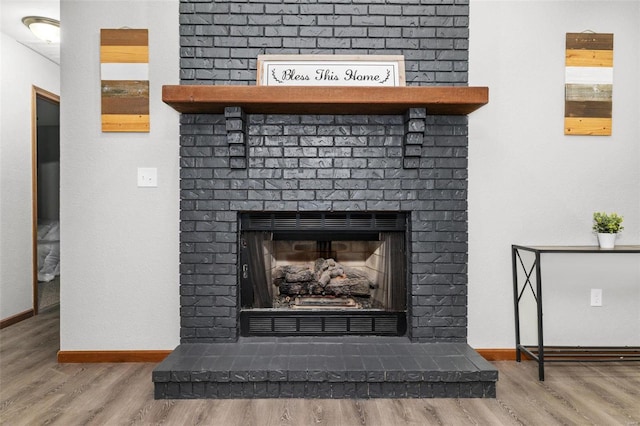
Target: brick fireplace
{"x": 236, "y": 162}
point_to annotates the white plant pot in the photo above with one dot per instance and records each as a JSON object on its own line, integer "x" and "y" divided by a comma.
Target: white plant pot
{"x": 607, "y": 241}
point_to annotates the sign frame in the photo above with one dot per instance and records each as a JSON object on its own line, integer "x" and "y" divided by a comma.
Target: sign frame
{"x": 331, "y": 70}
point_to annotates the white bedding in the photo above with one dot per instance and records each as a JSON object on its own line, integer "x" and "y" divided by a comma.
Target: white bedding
{"x": 48, "y": 250}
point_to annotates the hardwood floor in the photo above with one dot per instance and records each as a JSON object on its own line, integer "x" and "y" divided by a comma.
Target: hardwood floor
{"x": 35, "y": 390}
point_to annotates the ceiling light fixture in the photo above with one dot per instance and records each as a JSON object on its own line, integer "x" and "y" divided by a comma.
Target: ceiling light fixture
{"x": 46, "y": 29}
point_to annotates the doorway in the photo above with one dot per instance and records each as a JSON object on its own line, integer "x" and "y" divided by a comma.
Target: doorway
{"x": 45, "y": 131}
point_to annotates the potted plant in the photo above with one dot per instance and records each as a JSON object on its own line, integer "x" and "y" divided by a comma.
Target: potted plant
{"x": 607, "y": 227}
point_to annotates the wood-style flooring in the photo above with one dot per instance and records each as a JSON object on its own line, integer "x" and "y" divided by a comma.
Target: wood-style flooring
{"x": 36, "y": 390}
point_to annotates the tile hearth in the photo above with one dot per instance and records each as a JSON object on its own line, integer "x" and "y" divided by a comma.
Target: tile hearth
{"x": 327, "y": 367}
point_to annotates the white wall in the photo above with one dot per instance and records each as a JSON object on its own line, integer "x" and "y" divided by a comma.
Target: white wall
{"x": 119, "y": 248}
{"x": 530, "y": 184}
{"x": 21, "y": 69}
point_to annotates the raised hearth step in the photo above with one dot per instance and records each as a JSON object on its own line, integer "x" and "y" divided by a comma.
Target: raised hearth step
{"x": 327, "y": 367}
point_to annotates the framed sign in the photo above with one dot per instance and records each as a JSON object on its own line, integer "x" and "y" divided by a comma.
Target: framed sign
{"x": 331, "y": 70}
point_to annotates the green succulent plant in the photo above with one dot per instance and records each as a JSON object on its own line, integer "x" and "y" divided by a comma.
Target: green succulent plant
{"x": 607, "y": 223}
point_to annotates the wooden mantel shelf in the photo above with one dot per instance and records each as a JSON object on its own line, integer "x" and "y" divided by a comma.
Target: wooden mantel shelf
{"x": 438, "y": 100}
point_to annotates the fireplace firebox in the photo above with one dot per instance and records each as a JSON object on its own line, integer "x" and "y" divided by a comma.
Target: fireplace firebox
{"x": 323, "y": 273}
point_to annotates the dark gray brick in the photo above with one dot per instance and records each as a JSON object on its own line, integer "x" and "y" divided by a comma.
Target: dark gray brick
{"x": 325, "y": 157}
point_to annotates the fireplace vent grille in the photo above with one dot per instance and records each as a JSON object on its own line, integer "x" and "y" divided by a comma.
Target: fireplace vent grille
{"x": 311, "y": 323}
{"x": 318, "y": 221}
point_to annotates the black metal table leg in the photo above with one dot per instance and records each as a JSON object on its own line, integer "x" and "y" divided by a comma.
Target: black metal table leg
{"x": 516, "y": 304}
{"x": 537, "y": 295}
{"x": 539, "y": 306}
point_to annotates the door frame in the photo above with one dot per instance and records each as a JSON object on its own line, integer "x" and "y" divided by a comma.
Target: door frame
{"x": 36, "y": 92}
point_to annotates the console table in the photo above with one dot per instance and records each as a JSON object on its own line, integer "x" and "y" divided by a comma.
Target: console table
{"x": 543, "y": 354}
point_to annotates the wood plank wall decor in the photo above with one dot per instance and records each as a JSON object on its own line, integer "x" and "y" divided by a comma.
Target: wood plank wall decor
{"x": 588, "y": 84}
{"x": 124, "y": 70}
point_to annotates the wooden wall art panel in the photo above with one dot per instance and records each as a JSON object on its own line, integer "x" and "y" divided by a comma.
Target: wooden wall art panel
{"x": 588, "y": 84}
{"x": 124, "y": 71}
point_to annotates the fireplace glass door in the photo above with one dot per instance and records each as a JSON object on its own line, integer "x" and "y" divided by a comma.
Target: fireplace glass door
{"x": 323, "y": 273}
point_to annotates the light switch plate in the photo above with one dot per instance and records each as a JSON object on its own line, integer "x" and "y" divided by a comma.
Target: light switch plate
{"x": 147, "y": 177}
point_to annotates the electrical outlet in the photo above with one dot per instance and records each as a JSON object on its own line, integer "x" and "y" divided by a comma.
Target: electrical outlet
{"x": 596, "y": 297}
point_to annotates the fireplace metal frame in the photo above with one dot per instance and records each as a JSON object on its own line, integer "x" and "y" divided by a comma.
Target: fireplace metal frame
{"x": 323, "y": 322}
